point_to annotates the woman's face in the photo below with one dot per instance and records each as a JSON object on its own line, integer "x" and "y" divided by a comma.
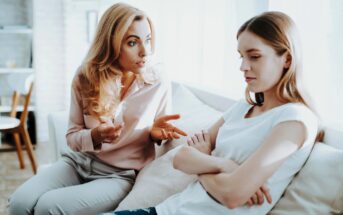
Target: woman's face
{"x": 261, "y": 66}
{"x": 136, "y": 47}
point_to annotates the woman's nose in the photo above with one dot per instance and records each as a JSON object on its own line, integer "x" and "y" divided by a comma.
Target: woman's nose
{"x": 244, "y": 66}
{"x": 143, "y": 51}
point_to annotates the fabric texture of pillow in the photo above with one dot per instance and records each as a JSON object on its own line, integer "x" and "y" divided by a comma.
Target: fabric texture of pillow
{"x": 159, "y": 180}
{"x": 333, "y": 137}
{"x": 318, "y": 188}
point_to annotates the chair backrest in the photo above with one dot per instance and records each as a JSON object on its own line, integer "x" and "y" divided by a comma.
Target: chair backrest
{"x": 24, "y": 114}
{"x": 15, "y": 98}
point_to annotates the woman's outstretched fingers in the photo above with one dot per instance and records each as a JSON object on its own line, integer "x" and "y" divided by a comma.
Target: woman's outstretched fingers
{"x": 175, "y": 136}
{"x": 179, "y": 131}
{"x": 164, "y": 134}
{"x": 266, "y": 193}
{"x": 169, "y": 117}
{"x": 170, "y": 135}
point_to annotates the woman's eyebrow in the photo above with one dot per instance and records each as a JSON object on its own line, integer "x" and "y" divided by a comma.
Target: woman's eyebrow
{"x": 135, "y": 36}
{"x": 252, "y": 50}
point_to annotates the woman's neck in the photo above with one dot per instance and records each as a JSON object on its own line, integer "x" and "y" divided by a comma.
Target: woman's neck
{"x": 126, "y": 81}
{"x": 270, "y": 101}
{"x": 127, "y": 78}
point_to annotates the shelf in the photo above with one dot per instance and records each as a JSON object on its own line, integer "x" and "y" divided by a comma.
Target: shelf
{"x": 16, "y": 31}
{"x": 16, "y": 70}
{"x": 7, "y": 108}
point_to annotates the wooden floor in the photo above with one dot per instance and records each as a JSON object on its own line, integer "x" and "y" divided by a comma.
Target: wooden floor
{"x": 10, "y": 174}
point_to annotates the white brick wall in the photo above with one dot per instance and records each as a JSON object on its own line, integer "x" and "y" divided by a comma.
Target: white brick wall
{"x": 75, "y": 36}
{"x": 48, "y": 44}
{"x": 60, "y": 44}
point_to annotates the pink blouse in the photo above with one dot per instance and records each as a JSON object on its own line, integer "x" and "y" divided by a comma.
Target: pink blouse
{"x": 147, "y": 98}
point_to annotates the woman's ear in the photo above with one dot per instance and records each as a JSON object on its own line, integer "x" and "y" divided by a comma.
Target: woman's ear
{"x": 288, "y": 61}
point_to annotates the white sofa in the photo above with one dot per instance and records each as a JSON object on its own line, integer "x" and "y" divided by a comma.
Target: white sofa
{"x": 317, "y": 189}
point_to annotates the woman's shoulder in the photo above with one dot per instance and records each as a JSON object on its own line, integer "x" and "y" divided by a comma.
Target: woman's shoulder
{"x": 79, "y": 78}
{"x": 297, "y": 109}
{"x": 297, "y": 112}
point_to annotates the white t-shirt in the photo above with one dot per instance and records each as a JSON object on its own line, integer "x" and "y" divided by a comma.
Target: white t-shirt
{"x": 237, "y": 139}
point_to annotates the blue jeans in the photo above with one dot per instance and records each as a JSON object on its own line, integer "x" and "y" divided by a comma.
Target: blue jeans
{"x": 146, "y": 211}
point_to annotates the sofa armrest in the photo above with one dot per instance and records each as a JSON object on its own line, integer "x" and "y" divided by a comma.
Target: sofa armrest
{"x": 58, "y": 125}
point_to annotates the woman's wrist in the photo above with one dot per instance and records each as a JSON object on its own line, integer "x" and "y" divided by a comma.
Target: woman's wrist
{"x": 96, "y": 138}
{"x": 154, "y": 140}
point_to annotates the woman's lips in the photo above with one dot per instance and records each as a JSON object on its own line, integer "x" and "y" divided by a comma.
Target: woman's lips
{"x": 249, "y": 79}
{"x": 141, "y": 64}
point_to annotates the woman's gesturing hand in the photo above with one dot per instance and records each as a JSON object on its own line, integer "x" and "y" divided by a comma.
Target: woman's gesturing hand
{"x": 162, "y": 130}
{"x": 201, "y": 141}
{"x": 106, "y": 132}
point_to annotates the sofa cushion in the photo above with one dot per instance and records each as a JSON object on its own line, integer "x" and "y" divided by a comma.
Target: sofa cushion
{"x": 334, "y": 137}
{"x": 58, "y": 125}
{"x": 318, "y": 188}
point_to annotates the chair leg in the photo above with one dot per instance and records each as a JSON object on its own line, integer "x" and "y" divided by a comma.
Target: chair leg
{"x": 29, "y": 148}
{"x": 19, "y": 150}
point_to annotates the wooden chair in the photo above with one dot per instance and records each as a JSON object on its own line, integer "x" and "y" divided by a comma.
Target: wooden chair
{"x": 10, "y": 124}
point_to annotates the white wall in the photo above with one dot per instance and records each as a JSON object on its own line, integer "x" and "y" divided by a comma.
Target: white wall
{"x": 196, "y": 40}
{"x": 49, "y": 52}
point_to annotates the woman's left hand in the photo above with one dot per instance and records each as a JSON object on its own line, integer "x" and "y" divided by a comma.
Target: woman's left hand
{"x": 162, "y": 130}
{"x": 201, "y": 141}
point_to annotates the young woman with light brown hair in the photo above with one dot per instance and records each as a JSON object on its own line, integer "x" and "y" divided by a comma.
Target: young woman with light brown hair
{"x": 247, "y": 159}
{"x": 118, "y": 106}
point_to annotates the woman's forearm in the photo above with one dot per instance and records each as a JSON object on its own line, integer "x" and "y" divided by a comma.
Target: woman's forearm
{"x": 212, "y": 184}
{"x": 192, "y": 161}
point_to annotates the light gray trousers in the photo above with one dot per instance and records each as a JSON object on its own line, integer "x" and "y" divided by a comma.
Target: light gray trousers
{"x": 76, "y": 184}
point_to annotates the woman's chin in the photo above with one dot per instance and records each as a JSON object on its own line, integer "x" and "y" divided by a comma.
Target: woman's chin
{"x": 253, "y": 89}
{"x": 139, "y": 70}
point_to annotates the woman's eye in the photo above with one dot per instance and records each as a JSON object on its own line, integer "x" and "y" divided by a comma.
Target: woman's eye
{"x": 132, "y": 43}
{"x": 254, "y": 57}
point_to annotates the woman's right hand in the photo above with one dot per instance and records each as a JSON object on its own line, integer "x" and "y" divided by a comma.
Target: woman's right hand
{"x": 106, "y": 132}
{"x": 259, "y": 196}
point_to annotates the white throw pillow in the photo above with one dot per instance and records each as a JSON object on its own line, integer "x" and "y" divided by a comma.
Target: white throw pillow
{"x": 318, "y": 188}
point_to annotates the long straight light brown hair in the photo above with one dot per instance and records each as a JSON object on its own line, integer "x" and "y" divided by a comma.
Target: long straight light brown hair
{"x": 279, "y": 31}
{"x": 100, "y": 76}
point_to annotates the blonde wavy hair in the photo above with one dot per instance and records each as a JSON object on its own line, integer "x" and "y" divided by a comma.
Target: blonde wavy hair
{"x": 279, "y": 31}
{"x": 100, "y": 75}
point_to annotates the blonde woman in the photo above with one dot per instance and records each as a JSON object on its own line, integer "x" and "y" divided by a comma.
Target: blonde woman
{"x": 247, "y": 159}
{"x": 118, "y": 107}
